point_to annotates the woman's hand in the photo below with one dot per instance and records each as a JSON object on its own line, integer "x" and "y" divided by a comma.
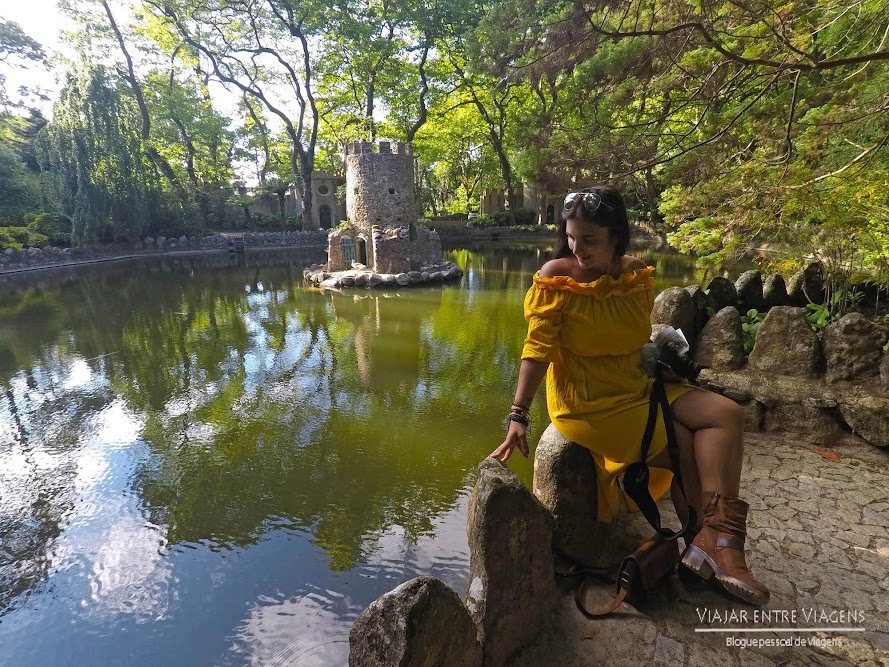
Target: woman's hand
{"x": 516, "y": 436}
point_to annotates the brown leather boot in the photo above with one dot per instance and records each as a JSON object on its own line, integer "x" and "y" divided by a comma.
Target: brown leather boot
{"x": 718, "y": 550}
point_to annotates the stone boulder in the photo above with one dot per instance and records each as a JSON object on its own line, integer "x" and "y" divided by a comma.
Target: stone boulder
{"x": 565, "y": 483}
{"x": 420, "y": 623}
{"x": 722, "y": 293}
{"x": 702, "y": 305}
{"x": 749, "y": 288}
{"x": 786, "y": 345}
{"x": 774, "y": 293}
{"x": 674, "y": 306}
{"x": 807, "y": 285}
{"x": 720, "y": 345}
{"x": 852, "y": 347}
{"x": 884, "y": 372}
{"x": 512, "y": 590}
{"x": 868, "y": 416}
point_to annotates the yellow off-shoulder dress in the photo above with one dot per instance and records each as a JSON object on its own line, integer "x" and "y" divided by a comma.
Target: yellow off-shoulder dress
{"x": 597, "y": 393}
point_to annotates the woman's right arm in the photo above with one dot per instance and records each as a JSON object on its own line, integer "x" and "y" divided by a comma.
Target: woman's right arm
{"x": 531, "y": 374}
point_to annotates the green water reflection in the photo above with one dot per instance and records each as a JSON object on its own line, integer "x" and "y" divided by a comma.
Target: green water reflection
{"x": 202, "y": 409}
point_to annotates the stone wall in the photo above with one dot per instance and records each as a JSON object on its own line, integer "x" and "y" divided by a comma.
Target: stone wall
{"x": 335, "y": 261}
{"x": 380, "y": 185}
{"x": 793, "y": 379}
{"x": 401, "y": 249}
{"x": 30, "y": 258}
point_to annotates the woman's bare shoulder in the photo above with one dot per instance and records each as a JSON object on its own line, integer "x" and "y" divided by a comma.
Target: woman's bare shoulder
{"x": 633, "y": 263}
{"x": 555, "y": 267}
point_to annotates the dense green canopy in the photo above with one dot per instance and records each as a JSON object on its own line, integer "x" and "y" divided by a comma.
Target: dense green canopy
{"x": 732, "y": 126}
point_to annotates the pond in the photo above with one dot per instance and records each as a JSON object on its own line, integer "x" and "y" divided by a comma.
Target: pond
{"x": 205, "y": 462}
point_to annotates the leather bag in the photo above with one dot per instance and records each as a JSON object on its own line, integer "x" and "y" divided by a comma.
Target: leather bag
{"x": 640, "y": 573}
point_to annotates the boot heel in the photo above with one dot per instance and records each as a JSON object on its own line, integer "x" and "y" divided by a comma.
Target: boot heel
{"x": 696, "y": 560}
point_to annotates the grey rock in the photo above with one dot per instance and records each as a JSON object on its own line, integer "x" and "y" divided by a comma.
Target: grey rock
{"x": 868, "y": 416}
{"x": 884, "y": 372}
{"x": 389, "y": 279}
{"x": 402, "y": 279}
{"x": 674, "y": 307}
{"x": 361, "y": 279}
{"x": 802, "y": 418}
{"x": 374, "y": 279}
{"x": 702, "y": 305}
{"x": 420, "y": 623}
{"x": 749, "y": 288}
{"x": 161, "y": 241}
{"x": 820, "y": 402}
{"x": 721, "y": 343}
{"x": 565, "y": 483}
{"x": 183, "y": 240}
{"x": 512, "y": 588}
{"x": 737, "y": 395}
{"x": 415, "y": 276}
{"x": 807, "y": 285}
{"x": 795, "y": 294}
{"x": 813, "y": 283}
{"x": 786, "y": 345}
{"x": 774, "y": 292}
{"x": 148, "y": 241}
{"x": 852, "y": 347}
{"x": 722, "y": 293}
{"x": 754, "y": 416}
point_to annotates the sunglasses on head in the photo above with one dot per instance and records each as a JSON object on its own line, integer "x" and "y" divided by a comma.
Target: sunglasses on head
{"x": 591, "y": 201}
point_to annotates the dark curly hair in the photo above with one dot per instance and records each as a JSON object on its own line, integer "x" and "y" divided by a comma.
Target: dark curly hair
{"x": 611, "y": 214}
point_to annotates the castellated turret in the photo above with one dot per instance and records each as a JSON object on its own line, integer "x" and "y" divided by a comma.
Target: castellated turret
{"x": 380, "y": 184}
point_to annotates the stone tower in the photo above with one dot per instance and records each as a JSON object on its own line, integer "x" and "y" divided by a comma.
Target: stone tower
{"x": 380, "y": 185}
{"x": 382, "y": 234}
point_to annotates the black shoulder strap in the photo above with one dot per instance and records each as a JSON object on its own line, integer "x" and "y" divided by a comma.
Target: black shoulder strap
{"x": 649, "y": 509}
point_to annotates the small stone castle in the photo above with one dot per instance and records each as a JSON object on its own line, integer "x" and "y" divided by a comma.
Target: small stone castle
{"x": 381, "y": 206}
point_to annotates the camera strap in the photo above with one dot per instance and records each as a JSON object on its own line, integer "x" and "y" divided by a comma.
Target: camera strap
{"x": 636, "y": 477}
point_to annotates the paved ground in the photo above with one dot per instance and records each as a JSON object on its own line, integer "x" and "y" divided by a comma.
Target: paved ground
{"x": 818, "y": 537}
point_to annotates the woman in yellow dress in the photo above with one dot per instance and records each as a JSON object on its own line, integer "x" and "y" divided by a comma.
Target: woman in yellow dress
{"x": 588, "y": 313}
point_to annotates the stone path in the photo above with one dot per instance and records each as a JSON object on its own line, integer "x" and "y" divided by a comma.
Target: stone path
{"x": 818, "y": 537}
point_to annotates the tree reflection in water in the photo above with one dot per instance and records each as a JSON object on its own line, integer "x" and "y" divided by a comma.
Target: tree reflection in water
{"x": 258, "y": 405}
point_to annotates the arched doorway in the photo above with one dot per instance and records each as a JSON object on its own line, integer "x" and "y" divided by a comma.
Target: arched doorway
{"x": 361, "y": 251}
{"x": 324, "y": 214}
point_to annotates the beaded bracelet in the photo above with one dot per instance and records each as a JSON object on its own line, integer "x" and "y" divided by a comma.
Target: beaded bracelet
{"x": 525, "y": 408}
{"x": 524, "y": 420}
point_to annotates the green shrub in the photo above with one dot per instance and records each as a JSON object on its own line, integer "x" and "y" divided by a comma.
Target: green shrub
{"x": 20, "y": 237}
{"x": 482, "y": 222}
{"x": 842, "y": 302}
{"x": 57, "y": 228}
{"x": 525, "y": 216}
{"x": 749, "y": 326}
